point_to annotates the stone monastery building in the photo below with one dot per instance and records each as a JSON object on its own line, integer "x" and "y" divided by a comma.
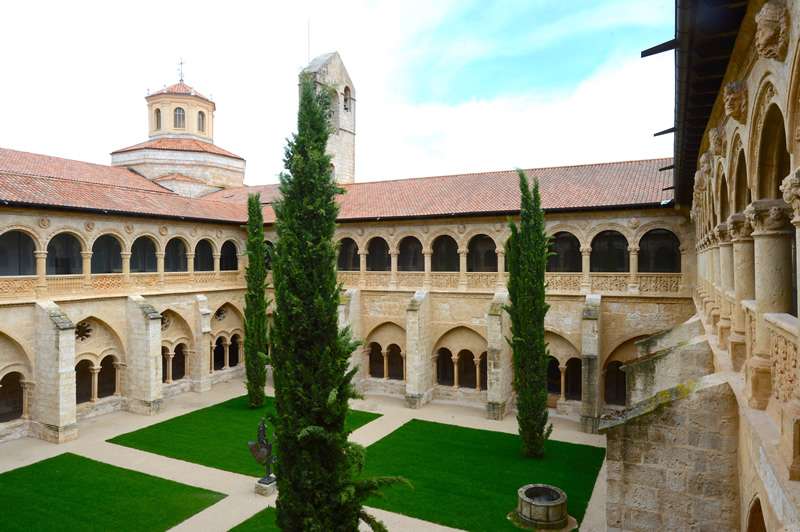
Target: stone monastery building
{"x": 673, "y": 288}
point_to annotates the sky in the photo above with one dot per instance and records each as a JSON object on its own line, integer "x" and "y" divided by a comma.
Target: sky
{"x": 442, "y": 86}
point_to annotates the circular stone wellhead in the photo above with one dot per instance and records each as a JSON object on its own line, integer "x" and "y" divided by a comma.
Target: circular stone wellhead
{"x": 542, "y": 506}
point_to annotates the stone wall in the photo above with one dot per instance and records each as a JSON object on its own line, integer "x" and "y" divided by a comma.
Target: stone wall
{"x": 672, "y": 464}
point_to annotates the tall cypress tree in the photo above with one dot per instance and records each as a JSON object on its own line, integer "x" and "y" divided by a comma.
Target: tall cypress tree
{"x": 255, "y": 309}
{"x": 526, "y": 256}
{"x": 317, "y": 469}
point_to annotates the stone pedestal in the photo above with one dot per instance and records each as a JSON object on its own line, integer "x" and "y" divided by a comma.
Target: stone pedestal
{"x": 266, "y": 489}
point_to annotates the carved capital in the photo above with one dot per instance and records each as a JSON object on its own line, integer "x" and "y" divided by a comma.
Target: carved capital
{"x": 463, "y": 251}
{"x": 394, "y": 252}
{"x": 40, "y": 254}
{"x": 363, "y": 252}
{"x": 722, "y": 234}
{"x": 736, "y": 101}
{"x": 86, "y": 254}
{"x": 772, "y": 35}
{"x": 768, "y": 216}
{"x": 586, "y": 250}
{"x": 633, "y": 250}
{"x": 791, "y": 193}
{"x": 739, "y": 227}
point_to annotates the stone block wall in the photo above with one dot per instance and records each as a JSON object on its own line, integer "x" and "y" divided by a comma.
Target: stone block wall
{"x": 673, "y": 465}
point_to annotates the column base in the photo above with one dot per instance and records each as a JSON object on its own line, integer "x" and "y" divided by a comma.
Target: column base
{"x": 737, "y": 350}
{"x": 145, "y": 408}
{"x": 415, "y": 401}
{"x": 496, "y": 411}
{"x": 758, "y": 382}
{"x": 724, "y": 331}
{"x": 54, "y": 433}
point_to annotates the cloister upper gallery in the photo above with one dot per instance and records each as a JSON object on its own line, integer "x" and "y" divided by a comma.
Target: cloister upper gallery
{"x": 121, "y": 285}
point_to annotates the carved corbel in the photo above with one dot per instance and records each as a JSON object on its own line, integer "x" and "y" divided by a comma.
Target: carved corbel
{"x": 768, "y": 216}
{"x": 735, "y": 96}
{"x": 791, "y": 193}
{"x": 772, "y": 34}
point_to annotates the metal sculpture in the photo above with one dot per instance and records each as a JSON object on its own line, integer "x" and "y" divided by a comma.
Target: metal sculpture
{"x": 262, "y": 451}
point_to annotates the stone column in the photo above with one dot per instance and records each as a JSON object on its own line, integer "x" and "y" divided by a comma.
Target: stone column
{"x": 590, "y": 364}
{"x": 117, "y": 378}
{"x": 426, "y": 281}
{"x": 772, "y": 236}
{"x": 190, "y": 266}
{"x": 385, "y": 354}
{"x": 563, "y": 370}
{"x": 94, "y": 370}
{"x": 435, "y": 360}
{"x": 226, "y": 349}
{"x": 211, "y": 357}
{"x": 455, "y": 359}
{"x": 501, "y": 269}
{"x": 240, "y": 351}
{"x": 477, "y": 361}
{"x": 87, "y": 270}
{"x": 41, "y": 273}
{"x": 170, "y": 355}
{"x": 25, "y": 385}
{"x": 362, "y": 271}
{"x": 462, "y": 269}
{"x": 160, "y": 268}
{"x": 393, "y": 276}
{"x": 712, "y": 305}
{"x": 126, "y": 269}
{"x": 725, "y": 284}
{"x": 586, "y": 267}
{"x": 216, "y": 267}
{"x": 633, "y": 282}
{"x": 366, "y": 352}
{"x": 402, "y": 354}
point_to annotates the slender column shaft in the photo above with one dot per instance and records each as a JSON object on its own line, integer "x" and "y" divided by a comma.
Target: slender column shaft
{"x": 563, "y": 370}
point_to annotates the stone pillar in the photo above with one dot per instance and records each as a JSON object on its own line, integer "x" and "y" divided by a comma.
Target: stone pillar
{"x": 117, "y": 378}
{"x": 498, "y": 359}
{"x": 563, "y": 370}
{"x": 743, "y": 285}
{"x": 366, "y": 351}
{"x": 477, "y": 360}
{"x": 216, "y": 267}
{"x": 53, "y": 415}
{"x": 160, "y": 268}
{"x": 362, "y": 271}
{"x": 393, "y": 276}
{"x": 501, "y": 270}
{"x": 226, "y": 349}
{"x": 350, "y": 316}
{"x": 199, "y": 365}
{"x": 25, "y": 385}
{"x": 87, "y": 271}
{"x": 455, "y": 360}
{"x": 420, "y": 376}
{"x": 426, "y": 281}
{"x": 143, "y": 383}
{"x": 190, "y": 266}
{"x": 590, "y": 365}
{"x": 126, "y": 269}
{"x": 240, "y": 350}
{"x": 435, "y": 361}
{"x": 402, "y": 354}
{"x": 725, "y": 284}
{"x": 462, "y": 269}
{"x": 712, "y": 306}
{"x": 385, "y": 354}
{"x": 586, "y": 266}
{"x": 633, "y": 282}
{"x": 170, "y": 355}
{"x": 41, "y": 273}
{"x": 772, "y": 236}
{"x": 94, "y": 371}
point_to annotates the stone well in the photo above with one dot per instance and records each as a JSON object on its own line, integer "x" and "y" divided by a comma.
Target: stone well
{"x": 542, "y": 506}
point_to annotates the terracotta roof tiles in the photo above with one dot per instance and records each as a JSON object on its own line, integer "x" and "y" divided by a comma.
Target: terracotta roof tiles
{"x": 180, "y": 88}
{"x": 178, "y": 145}
{"x": 177, "y": 177}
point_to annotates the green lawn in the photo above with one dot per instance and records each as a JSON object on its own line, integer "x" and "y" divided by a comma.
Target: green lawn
{"x": 263, "y": 520}
{"x": 216, "y": 436}
{"x": 468, "y": 479}
{"x": 70, "y": 492}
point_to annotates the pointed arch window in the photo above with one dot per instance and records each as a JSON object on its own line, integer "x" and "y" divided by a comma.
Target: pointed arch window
{"x": 179, "y": 118}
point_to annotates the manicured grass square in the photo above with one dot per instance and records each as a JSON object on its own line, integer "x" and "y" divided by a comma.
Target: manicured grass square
{"x": 70, "y": 492}
{"x": 263, "y": 520}
{"x": 468, "y": 479}
{"x": 215, "y": 436}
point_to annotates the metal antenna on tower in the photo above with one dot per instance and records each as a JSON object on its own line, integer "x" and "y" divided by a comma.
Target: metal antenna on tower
{"x": 180, "y": 68}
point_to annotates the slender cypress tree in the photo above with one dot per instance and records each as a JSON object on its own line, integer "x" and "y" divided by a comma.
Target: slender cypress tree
{"x": 255, "y": 310}
{"x": 317, "y": 469}
{"x": 526, "y": 256}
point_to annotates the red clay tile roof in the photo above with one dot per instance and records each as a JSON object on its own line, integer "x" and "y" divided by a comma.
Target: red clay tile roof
{"x": 180, "y": 88}
{"x": 563, "y": 188}
{"x": 31, "y": 164}
{"x": 177, "y": 177}
{"x": 178, "y": 145}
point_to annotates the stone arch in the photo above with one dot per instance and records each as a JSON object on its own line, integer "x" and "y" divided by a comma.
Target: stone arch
{"x": 123, "y": 242}
{"x": 562, "y": 227}
{"x": 741, "y": 183}
{"x": 107, "y": 376}
{"x": 659, "y": 252}
{"x": 70, "y": 230}
{"x": 141, "y": 260}
{"x": 481, "y": 253}
{"x": 467, "y": 237}
{"x": 64, "y": 254}
{"x": 156, "y": 238}
{"x": 444, "y": 256}
{"x": 204, "y": 250}
{"x": 341, "y": 235}
{"x": 13, "y": 354}
{"x": 560, "y": 348}
{"x": 409, "y": 254}
{"x": 226, "y": 320}
{"x": 649, "y": 226}
{"x": 395, "y": 362}
{"x": 764, "y": 98}
{"x": 83, "y": 378}
{"x": 625, "y": 350}
{"x": 347, "y": 258}
{"x": 12, "y": 396}
{"x": 610, "y": 252}
{"x": 433, "y": 235}
{"x": 388, "y": 333}
{"x": 460, "y": 338}
{"x": 173, "y": 260}
{"x": 378, "y": 259}
{"x": 94, "y": 336}
{"x": 573, "y": 378}
{"x": 28, "y": 230}
{"x": 793, "y": 109}
{"x": 773, "y": 156}
{"x": 229, "y": 256}
{"x": 174, "y": 328}
{"x": 755, "y": 517}
{"x": 108, "y": 257}
{"x": 608, "y": 226}
{"x": 17, "y": 254}
{"x": 564, "y": 253}
{"x": 374, "y": 360}
{"x": 394, "y": 240}
{"x": 614, "y": 383}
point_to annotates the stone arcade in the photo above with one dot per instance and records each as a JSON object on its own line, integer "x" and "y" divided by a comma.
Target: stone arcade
{"x": 122, "y": 285}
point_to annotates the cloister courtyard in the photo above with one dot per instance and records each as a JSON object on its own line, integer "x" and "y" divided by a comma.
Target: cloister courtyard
{"x": 228, "y": 499}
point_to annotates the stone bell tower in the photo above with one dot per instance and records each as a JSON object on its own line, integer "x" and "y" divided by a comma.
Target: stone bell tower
{"x": 328, "y": 69}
